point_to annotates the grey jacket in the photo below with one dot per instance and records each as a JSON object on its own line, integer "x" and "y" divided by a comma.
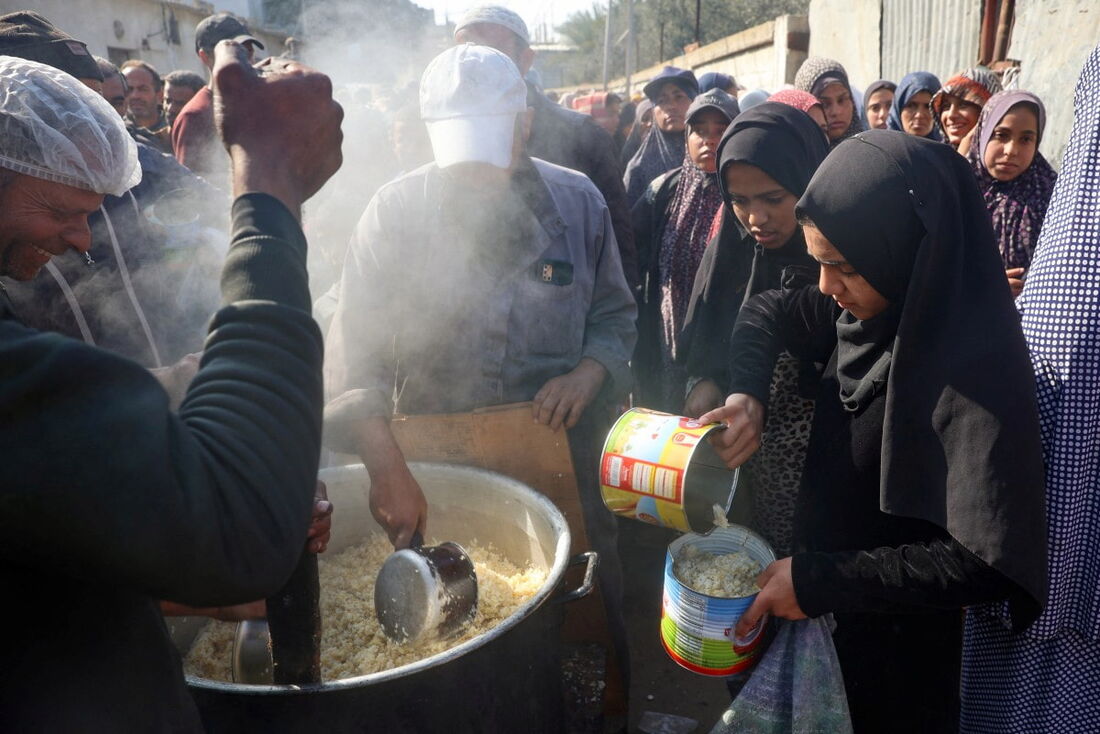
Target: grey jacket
{"x": 425, "y": 323}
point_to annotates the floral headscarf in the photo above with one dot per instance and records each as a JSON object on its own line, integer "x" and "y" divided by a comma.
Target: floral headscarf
{"x": 1019, "y": 206}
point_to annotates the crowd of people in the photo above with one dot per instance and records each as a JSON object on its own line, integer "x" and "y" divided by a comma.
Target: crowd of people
{"x": 889, "y": 298}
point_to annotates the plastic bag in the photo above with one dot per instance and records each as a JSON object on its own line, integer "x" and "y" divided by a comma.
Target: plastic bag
{"x": 796, "y": 688}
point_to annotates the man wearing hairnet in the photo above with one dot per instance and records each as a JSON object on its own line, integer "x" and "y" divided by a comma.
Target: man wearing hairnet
{"x": 108, "y": 500}
{"x": 148, "y": 286}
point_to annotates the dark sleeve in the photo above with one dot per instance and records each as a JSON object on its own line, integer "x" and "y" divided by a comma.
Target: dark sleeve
{"x": 712, "y": 309}
{"x": 604, "y": 170}
{"x": 940, "y": 574}
{"x": 643, "y": 219}
{"x": 801, "y": 321}
{"x": 209, "y": 506}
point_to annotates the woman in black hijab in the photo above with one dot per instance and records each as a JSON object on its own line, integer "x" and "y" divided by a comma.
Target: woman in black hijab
{"x": 765, "y": 160}
{"x": 923, "y": 485}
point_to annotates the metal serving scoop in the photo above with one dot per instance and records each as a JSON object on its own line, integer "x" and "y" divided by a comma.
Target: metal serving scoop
{"x": 422, "y": 591}
{"x": 252, "y": 653}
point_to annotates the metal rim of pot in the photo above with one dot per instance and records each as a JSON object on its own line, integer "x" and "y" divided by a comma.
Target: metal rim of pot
{"x": 554, "y": 577}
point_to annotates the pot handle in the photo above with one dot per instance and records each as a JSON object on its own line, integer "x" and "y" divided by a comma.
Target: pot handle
{"x": 592, "y": 561}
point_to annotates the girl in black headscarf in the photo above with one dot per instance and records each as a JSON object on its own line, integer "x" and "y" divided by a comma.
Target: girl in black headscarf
{"x": 923, "y": 485}
{"x": 765, "y": 160}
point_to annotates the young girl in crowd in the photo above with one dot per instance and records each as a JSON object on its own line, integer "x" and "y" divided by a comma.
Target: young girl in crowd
{"x": 805, "y": 102}
{"x": 912, "y": 111}
{"x": 671, "y": 93}
{"x": 877, "y": 101}
{"x": 923, "y": 484}
{"x": 827, "y": 80}
{"x": 957, "y": 105}
{"x": 1047, "y": 679}
{"x": 765, "y": 160}
{"x": 1015, "y": 179}
{"x": 672, "y": 222}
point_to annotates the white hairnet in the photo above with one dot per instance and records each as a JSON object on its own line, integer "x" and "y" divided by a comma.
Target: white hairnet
{"x": 55, "y": 128}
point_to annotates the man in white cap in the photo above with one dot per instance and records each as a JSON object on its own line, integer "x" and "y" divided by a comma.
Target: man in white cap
{"x": 558, "y": 135}
{"x": 484, "y": 278}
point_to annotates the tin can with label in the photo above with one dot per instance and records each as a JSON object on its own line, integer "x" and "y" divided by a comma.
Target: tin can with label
{"x": 697, "y": 629}
{"x": 660, "y": 469}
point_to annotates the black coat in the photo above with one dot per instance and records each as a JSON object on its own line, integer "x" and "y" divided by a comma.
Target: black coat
{"x": 108, "y": 501}
{"x": 573, "y": 140}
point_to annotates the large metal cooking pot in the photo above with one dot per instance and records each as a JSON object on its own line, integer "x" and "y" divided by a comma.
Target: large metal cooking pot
{"x": 505, "y": 680}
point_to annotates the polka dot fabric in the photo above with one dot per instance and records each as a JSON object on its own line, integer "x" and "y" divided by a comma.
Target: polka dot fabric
{"x": 1047, "y": 679}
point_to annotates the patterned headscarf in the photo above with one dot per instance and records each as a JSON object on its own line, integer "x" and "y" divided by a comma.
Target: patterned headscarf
{"x": 815, "y": 74}
{"x": 1065, "y": 280}
{"x": 1045, "y": 679}
{"x": 975, "y": 85}
{"x": 912, "y": 84}
{"x": 1019, "y": 206}
{"x": 795, "y": 98}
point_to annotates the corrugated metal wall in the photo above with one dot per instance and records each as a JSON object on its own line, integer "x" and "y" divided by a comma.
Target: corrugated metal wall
{"x": 940, "y": 36}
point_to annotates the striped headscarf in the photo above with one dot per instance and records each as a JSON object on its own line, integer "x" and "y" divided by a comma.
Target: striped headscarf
{"x": 975, "y": 85}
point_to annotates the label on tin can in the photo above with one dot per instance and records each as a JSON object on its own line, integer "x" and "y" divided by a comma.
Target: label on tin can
{"x": 645, "y": 459}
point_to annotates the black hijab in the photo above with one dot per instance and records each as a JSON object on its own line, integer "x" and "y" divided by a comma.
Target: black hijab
{"x": 787, "y": 145}
{"x": 960, "y": 437}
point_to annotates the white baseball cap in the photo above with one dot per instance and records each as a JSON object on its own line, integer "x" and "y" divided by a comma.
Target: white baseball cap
{"x": 469, "y": 99}
{"x": 494, "y": 15}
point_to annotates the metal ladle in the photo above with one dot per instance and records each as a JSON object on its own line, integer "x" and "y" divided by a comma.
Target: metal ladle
{"x": 425, "y": 590}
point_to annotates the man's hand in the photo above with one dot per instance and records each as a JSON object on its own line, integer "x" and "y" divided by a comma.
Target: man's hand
{"x": 396, "y": 500}
{"x": 776, "y": 597}
{"x": 966, "y": 142}
{"x": 176, "y": 378}
{"x": 744, "y": 419}
{"x": 397, "y": 503}
{"x": 704, "y": 397}
{"x": 320, "y": 527}
{"x": 279, "y": 124}
{"x": 563, "y": 400}
{"x": 1015, "y": 280}
{"x": 317, "y": 540}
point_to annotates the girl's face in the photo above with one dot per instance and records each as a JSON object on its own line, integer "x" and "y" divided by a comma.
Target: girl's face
{"x": 1012, "y": 147}
{"x": 670, "y": 108}
{"x": 704, "y": 133}
{"x": 840, "y": 280}
{"x": 839, "y": 109}
{"x": 958, "y": 117}
{"x": 916, "y": 115}
{"x": 878, "y": 108}
{"x": 761, "y": 204}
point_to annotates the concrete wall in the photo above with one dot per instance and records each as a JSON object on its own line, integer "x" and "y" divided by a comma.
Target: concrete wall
{"x": 1052, "y": 40}
{"x": 849, "y": 31}
{"x": 142, "y": 24}
{"x": 765, "y": 56}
